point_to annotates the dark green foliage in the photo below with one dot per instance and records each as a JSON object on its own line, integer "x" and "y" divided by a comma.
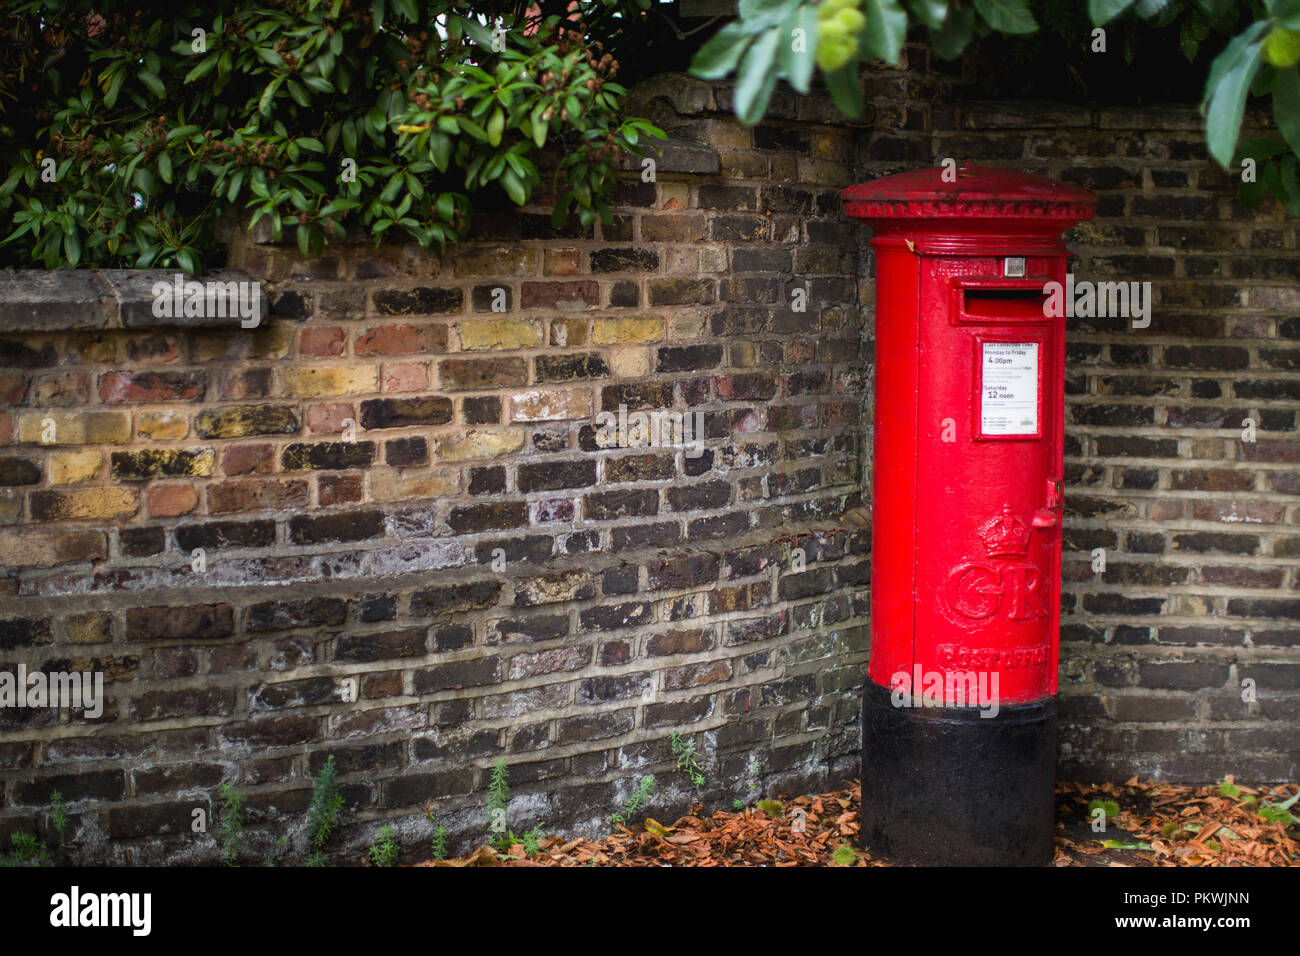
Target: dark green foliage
{"x": 315, "y": 116}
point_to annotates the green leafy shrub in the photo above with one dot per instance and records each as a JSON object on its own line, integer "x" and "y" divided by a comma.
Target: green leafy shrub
{"x": 127, "y": 133}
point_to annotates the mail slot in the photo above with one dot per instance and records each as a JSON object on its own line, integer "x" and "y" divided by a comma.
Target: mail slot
{"x": 959, "y": 732}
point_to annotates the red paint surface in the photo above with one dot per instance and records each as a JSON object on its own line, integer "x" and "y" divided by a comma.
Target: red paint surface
{"x": 966, "y": 538}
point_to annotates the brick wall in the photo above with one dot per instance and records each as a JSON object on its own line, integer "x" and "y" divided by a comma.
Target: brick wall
{"x": 636, "y": 591}
{"x": 643, "y": 591}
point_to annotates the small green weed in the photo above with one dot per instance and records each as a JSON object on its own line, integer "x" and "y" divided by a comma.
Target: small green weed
{"x": 230, "y": 826}
{"x": 497, "y": 802}
{"x": 684, "y": 751}
{"x": 383, "y": 852}
{"x": 439, "y": 841}
{"x": 635, "y": 803}
{"x": 323, "y": 812}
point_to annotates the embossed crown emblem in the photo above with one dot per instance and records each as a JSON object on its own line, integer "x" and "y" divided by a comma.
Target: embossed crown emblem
{"x": 1005, "y": 535}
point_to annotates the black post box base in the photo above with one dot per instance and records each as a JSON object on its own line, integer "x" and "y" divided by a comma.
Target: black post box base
{"x": 946, "y": 787}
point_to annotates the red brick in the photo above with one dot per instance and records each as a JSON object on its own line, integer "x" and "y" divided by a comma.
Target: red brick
{"x": 406, "y": 377}
{"x": 248, "y": 459}
{"x": 167, "y": 501}
{"x": 549, "y": 295}
{"x": 322, "y": 341}
{"x": 338, "y": 489}
{"x": 328, "y": 419}
{"x": 254, "y": 495}
{"x": 402, "y": 340}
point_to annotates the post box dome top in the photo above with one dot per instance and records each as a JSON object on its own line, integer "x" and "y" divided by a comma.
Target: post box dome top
{"x": 975, "y": 193}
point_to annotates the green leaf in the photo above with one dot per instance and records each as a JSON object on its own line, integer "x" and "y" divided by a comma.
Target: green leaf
{"x": 719, "y": 55}
{"x": 514, "y": 187}
{"x": 951, "y": 40}
{"x": 165, "y": 167}
{"x": 1286, "y": 106}
{"x": 756, "y": 79}
{"x": 886, "y": 27}
{"x": 72, "y": 246}
{"x": 845, "y": 89}
{"x": 204, "y": 67}
{"x": 477, "y": 32}
{"x": 154, "y": 82}
{"x": 1103, "y": 11}
{"x": 1226, "y": 90}
{"x": 495, "y": 126}
{"x": 264, "y": 101}
{"x": 932, "y": 13}
{"x": 797, "y": 65}
{"x": 1007, "y": 16}
{"x": 757, "y": 16}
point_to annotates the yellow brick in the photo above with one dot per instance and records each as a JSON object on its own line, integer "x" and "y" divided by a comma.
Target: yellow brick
{"x": 480, "y": 443}
{"x": 496, "y": 261}
{"x": 272, "y": 341}
{"x": 92, "y": 628}
{"x": 94, "y": 348}
{"x": 75, "y": 428}
{"x": 73, "y": 467}
{"x": 314, "y": 382}
{"x": 629, "y": 363}
{"x": 568, "y": 332}
{"x": 499, "y": 334}
{"x": 390, "y": 486}
{"x": 548, "y": 406}
{"x": 165, "y": 425}
{"x": 103, "y": 502}
{"x": 644, "y": 328}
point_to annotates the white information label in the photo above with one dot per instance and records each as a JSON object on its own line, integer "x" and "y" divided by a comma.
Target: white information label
{"x": 1009, "y": 388}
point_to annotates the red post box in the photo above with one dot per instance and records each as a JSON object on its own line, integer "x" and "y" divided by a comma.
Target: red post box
{"x": 959, "y": 716}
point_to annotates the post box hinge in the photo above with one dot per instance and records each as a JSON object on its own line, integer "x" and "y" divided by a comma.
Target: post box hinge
{"x": 1050, "y": 514}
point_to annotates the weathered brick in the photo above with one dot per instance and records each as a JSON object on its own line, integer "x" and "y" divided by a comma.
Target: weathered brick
{"x": 499, "y": 334}
{"x": 402, "y": 340}
{"x": 148, "y": 464}
{"x": 239, "y": 421}
{"x": 254, "y": 495}
{"x": 418, "y": 301}
{"x": 574, "y": 295}
{"x": 176, "y": 622}
{"x": 73, "y": 428}
{"x": 470, "y": 374}
{"x": 101, "y": 502}
{"x": 301, "y": 456}
{"x": 554, "y": 475}
{"x": 346, "y": 526}
{"x": 451, "y": 599}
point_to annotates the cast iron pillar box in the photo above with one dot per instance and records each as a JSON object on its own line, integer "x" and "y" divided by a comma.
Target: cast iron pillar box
{"x": 959, "y": 713}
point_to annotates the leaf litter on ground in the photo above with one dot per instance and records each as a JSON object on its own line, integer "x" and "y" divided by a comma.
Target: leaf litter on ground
{"x": 1158, "y": 824}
